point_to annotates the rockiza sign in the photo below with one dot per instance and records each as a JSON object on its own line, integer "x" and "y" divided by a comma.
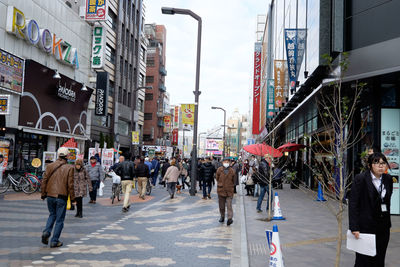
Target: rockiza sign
{"x": 39, "y": 37}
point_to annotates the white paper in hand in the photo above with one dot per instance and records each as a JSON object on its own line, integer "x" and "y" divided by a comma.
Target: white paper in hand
{"x": 364, "y": 245}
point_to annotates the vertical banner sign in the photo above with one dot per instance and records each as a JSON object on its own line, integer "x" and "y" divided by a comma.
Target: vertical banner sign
{"x": 295, "y": 40}
{"x": 98, "y": 47}
{"x": 167, "y": 123}
{"x": 101, "y": 94}
{"x": 11, "y": 72}
{"x": 4, "y": 104}
{"x": 280, "y": 78}
{"x": 176, "y": 117}
{"x": 390, "y": 139}
{"x": 96, "y": 10}
{"x": 256, "y": 88}
{"x": 175, "y": 135}
{"x": 135, "y": 138}
{"x": 270, "y": 98}
{"x": 187, "y": 114}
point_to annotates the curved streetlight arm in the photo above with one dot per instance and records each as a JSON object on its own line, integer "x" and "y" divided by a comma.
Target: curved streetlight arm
{"x": 173, "y": 11}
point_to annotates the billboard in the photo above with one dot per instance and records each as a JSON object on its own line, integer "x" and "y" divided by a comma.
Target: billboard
{"x": 11, "y": 72}
{"x": 101, "y": 94}
{"x": 256, "y": 88}
{"x": 214, "y": 144}
{"x": 167, "y": 123}
{"x": 98, "y": 47}
{"x": 187, "y": 114}
{"x": 176, "y": 117}
{"x": 280, "y": 70}
{"x": 96, "y": 10}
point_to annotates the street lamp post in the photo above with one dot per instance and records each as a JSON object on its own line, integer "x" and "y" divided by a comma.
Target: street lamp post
{"x": 173, "y": 11}
{"x": 223, "y": 152}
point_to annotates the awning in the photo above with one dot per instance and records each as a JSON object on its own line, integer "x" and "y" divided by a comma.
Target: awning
{"x": 51, "y": 133}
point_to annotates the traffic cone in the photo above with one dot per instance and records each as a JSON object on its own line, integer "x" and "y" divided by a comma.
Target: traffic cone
{"x": 277, "y": 209}
{"x": 320, "y": 193}
{"x": 275, "y": 254}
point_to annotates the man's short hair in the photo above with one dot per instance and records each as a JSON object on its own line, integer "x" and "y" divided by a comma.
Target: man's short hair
{"x": 93, "y": 157}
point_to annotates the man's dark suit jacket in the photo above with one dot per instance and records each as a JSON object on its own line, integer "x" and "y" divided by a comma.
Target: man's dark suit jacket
{"x": 365, "y": 213}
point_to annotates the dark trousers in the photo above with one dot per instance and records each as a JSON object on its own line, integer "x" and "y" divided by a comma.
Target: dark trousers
{"x": 57, "y": 208}
{"x": 207, "y": 185}
{"x": 78, "y": 205}
{"x": 93, "y": 194}
{"x": 382, "y": 241}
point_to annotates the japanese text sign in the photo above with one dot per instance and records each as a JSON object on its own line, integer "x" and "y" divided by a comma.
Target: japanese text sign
{"x": 167, "y": 123}
{"x": 135, "y": 138}
{"x": 176, "y": 117}
{"x": 4, "y": 104}
{"x": 256, "y": 87}
{"x": 96, "y": 10}
{"x": 11, "y": 72}
{"x": 187, "y": 114}
{"x": 98, "y": 47}
{"x": 280, "y": 69}
{"x": 270, "y": 98}
{"x": 295, "y": 40}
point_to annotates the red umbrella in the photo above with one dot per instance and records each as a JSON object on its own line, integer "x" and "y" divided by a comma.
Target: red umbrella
{"x": 262, "y": 150}
{"x": 289, "y": 147}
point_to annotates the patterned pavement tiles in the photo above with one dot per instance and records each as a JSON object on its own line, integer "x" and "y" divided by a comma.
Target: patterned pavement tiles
{"x": 183, "y": 231}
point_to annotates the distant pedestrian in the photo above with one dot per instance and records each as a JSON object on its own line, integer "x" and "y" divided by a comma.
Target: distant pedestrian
{"x": 57, "y": 184}
{"x": 164, "y": 169}
{"x": 126, "y": 170}
{"x": 81, "y": 182}
{"x": 369, "y": 208}
{"x": 225, "y": 182}
{"x": 207, "y": 172}
{"x": 148, "y": 163}
{"x": 171, "y": 178}
{"x": 142, "y": 175}
{"x": 184, "y": 173}
{"x": 156, "y": 167}
{"x": 3, "y": 167}
{"x": 96, "y": 175}
{"x": 262, "y": 179}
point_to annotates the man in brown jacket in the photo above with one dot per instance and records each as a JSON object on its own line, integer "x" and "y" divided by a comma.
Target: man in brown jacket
{"x": 57, "y": 184}
{"x": 225, "y": 187}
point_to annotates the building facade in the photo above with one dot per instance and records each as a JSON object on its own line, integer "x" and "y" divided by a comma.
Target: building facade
{"x": 155, "y": 98}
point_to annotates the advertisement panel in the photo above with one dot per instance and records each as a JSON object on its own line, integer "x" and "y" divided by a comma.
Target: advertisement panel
{"x": 135, "y": 138}
{"x": 11, "y": 72}
{"x": 280, "y": 69}
{"x": 176, "y": 117}
{"x": 295, "y": 40}
{"x": 4, "y": 104}
{"x": 390, "y": 139}
{"x": 270, "y": 98}
{"x": 256, "y": 88}
{"x": 107, "y": 157}
{"x": 101, "y": 102}
{"x": 98, "y": 46}
{"x": 96, "y": 10}
{"x": 175, "y": 136}
{"x": 167, "y": 123}
{"x": 187, "y": 114}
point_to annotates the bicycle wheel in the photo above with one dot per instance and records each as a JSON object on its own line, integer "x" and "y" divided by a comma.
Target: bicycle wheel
{"x": 27, "y": 186}
{"x": 35, "y": 182}
{"x": 119, "y": 189}
{"x": 148, "y": 189}
{"x": 113, "y": 193}
{"x": 4, "y": 185}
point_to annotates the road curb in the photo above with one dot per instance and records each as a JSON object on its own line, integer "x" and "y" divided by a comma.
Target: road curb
{"x": 240, "y": 255}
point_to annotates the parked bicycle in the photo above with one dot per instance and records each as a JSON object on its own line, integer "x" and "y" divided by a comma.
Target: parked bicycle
{"x": 116, "y": 186}
{"x": 18, "y": 183}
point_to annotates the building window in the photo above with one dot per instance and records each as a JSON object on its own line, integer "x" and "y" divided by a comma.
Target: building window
{"x": 148, "y": 97}
{"x": 121, "y": 65}
{"x": 147, "y": 137}
{"x": 120, "y": 95}
{"x": 150, "y": 62}
{"x": 124, "y": 97}
{"x": 130, "y": 72}
{"x": 111, "y": 88}
{"x": 126, "y": 68}
{"x": 136, "y": 48}
{"x": 143, "y": 53}
{"x": 133, "y": 12}
{"x": 127, "y": 38}
{"x": 149, "y": 79}
{"x": 141, "y": 79}
{"x": 135, "y": 77}
{"x": 148, "y": 116}
{"x": 123, "y": 127}
{"x": 110, "y": 54}
{"x": 112, "y": 19}
{"x": 132, "y": 46}
{"x": 140, "y": 105}
{"x": 129, "y": 99}
{"x": 123, "y": 33}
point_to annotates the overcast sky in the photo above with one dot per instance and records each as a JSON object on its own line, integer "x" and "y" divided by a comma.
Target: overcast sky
{"x": 226, "y": 56}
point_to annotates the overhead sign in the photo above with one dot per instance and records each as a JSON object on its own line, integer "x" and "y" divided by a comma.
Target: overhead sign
{"x": 256, "y": 88}
{"x": 11, "y": 72}
{"x": 176, "y": 117}
{"x": 101, "y": 94}
{"x": 135, "y": 138}
{"x": 280, "y": 70}
{"x": 40, "y": 37}
{"x": 187, "y": 114}
{"x": 4, "y": 104}
{"x": 270, "y": 98}
{"x": 295, "y": 40}
{"x": 167, "y": 123}
{"x": 98, "y": 47}
{"x": 175, "y": 136}
{"x": 214, "y": 144}
{"x": 96, "y": 10}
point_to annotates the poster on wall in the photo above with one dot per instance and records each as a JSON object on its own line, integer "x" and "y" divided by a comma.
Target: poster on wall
{"x": 107, "y": 157}
{"x": 4, "y": 104}
{"x": 11, "y": 72}
{"x": 48, "y": 157}
{"x": 390, "y": 138}
{"x": 96, "y": 10}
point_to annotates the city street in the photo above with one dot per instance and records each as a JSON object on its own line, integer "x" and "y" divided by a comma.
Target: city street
{"x": 159, "y": 231}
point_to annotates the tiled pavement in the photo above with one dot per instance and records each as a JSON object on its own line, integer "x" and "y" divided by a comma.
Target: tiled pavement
{"x": 158, "y": 232}
{"x": 308, "y": 233}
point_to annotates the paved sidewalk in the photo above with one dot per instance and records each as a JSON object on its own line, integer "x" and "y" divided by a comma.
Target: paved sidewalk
{"x": 308, "y": 234}
{"x": 183, "y": 231}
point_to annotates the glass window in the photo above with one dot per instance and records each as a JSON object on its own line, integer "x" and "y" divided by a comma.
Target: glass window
{"x": 141, "y": 79}
{"x": 129, "y": 99}
{"x": 111, "y": 88}
{"x": 112, "y": 19}
{"x": 150, "y": 62}
{"x": 125, "y": 96}
{"x": 140, "y": 105}
{"x": 110, "y": 54}
{"x": 143, "y": 53}
{"x": 120, "y": 95}
{"x": 148, "y": 116}
{"x": 148, "y": 97}
{"x": 123, "y": 127}
{"x": 149, "y": 79}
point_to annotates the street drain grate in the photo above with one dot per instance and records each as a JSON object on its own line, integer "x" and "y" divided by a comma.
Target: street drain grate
{"x": 258, "y": 249}
{"x": 168, "y": 209}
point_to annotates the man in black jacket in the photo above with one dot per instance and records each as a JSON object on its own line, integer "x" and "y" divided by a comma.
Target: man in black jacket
{"x": 143, "y": 175}
{"x": 262, "y": 179}
{"x": 126, "y": 170}
{"x": 207, "y": 172}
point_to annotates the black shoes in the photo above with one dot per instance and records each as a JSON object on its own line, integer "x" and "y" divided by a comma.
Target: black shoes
{"x": 209, "y": 196}
{"x": 222, "y": 219}
{"x": 56, "y": 245}
{"x": 125, "y": 209}
{"x": 45, "y": 238}
{"x": 78, "y": 215}
{"x": 229, "y": 222}
{"x": 172, "y": 196}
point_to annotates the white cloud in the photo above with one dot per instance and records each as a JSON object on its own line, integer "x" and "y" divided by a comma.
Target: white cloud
{"x": 226, "y": 57}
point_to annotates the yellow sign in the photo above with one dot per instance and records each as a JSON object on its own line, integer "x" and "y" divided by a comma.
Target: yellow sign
{"x": 135, "y": 138}
{"x": 36, "y": 163}
{"x": 187, "y": 114}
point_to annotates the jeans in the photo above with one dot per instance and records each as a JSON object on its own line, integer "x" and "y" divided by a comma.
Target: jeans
{"x": 57, "y": 208}
{"x": 171, "y": 188}
{"x": 264, "y": 189}
{"x": 207, "y": 185}
{"x": 126, "y": 189}
{"x": 256, "y": 190}
{"x": 154, "y": 177}
{"x": 95, "y": 185}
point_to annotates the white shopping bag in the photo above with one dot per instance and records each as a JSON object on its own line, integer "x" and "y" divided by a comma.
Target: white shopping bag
{"x": 101, "y": 189}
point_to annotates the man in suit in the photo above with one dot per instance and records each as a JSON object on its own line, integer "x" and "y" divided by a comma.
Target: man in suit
{"x": 369, "y": 208}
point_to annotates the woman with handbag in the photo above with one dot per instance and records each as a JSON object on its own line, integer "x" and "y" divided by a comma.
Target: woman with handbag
{"x": 81, "y": 181}
{"x": 171, "y": 178}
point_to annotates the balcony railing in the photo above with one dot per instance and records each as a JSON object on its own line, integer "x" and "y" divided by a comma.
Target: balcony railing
{"x": 162, "y": 88}
{"x": 163, "y": 71}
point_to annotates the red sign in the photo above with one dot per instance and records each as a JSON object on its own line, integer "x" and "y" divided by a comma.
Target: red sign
{"x": 176, "y": 117}
{"x": 256, "y": 88}
{"x": 175, "y": 134}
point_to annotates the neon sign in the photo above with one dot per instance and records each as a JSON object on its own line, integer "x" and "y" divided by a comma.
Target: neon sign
{"x": 48, "y": 42}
